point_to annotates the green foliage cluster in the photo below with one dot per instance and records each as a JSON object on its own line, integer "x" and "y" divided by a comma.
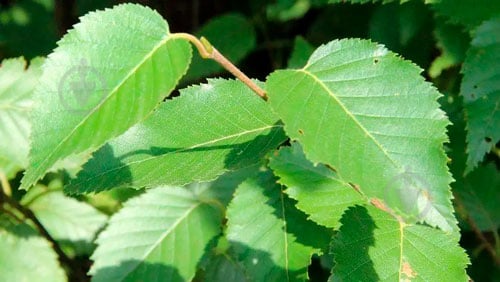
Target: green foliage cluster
{"x": 126, "y": 156}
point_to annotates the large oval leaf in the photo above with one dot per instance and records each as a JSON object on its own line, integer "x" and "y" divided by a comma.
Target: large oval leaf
{"x": 108, "y": 73}
{"x": 362, "y": 110}
{"x": 212, "y": 128}
{"x": 373, "y": 246}
{"x": 158, "y": 236}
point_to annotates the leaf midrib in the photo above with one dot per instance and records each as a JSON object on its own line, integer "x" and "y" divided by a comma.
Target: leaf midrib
{"x": 112, "y": 93}
{"x": 237, "y": 135}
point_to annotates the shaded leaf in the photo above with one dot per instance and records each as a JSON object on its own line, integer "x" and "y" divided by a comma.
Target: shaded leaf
{"x": 72, "y": 223}
{"x": 17, "y": 83}
{"x": 373, "y": 246}
{"x": 208, "y": 130}
{"x": 273, "y": 240}
{"x": 100, "y": 81}
{"x": 158, "y": 236}
{"x": 319, "y": 191}
{"x": 232, "y": 34}
{"x": 26, "y": 256}
{"x": 222, "y": 268}
{"x": 480, "y": 195}
{"x": 481, "y": 91}
{"x": 362, "y": 110}
{"x": 300, "y": 53}
{"x": 469, "y": 13}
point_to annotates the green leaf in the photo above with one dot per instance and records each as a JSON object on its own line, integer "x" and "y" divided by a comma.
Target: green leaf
{"x": 16, "y": 88}
{"x": 319, "y": 191}
{"x": 300, "y": 53}
{"x": 211, "y": 128}
{"x": 158, "y": 236}
{"x": 232, "y": 34}
{"x": 285, "y": 10}
{"x": 25, "y": 256}
{"x": 222, "y": 268}
{"x": 373, "y": 246}
{"x": 479, "y": 197}
{"x": 107, "y": 74}
{"x": 469, "y": 13}
{"x": 72, "y": 223}
{"x": 273, "y": 240}
{"x": 362, "y": 110}
{"x": 481, "y": 91}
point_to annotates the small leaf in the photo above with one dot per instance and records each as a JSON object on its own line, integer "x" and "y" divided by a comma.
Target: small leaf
{"x": 318, "y": 190}
{"x": 373, "y": 246}
{"x": 72, "y": 223}
{"x": 16, "y": 89}
{"x": 232, "y": 34}
{"x": 300, "y": 53}
{"x": 481, "y": 91}
{"x": 273, "y": 240}
{"x": 368, "y": 114}
{"x": 210, "y": 129}
{"x": 26, "y": 256}
{"x": 107, "y": 74}
{"x": 222, "y": 268}
{"x": 158, "y": 236}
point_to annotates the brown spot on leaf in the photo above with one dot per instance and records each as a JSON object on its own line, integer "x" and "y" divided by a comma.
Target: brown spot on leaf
{"x": 331, "y": 168}
{"x": 379, "y": 204}
{"x": 301, "y": 132}
{"x": 355, "y": 187}
{"x": 408, "y": 271}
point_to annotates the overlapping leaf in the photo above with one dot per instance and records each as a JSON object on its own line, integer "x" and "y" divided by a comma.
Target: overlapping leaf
{"x": 272, "y": 239}
{"x": 367, "y": 113}
{"x": 481, "y": 91}
{"x": 72, "y": 223}
{"x": 209, "y": 129}
{"x": 158, "y": 236}
{"x": 318, "y": 190}
{"x": 300, "y": 53}
{"x": 373, "y": 246}
{"x": 25, "y": 256}
{"x": 107, "y": 74}
{"x": 16, "y": 88}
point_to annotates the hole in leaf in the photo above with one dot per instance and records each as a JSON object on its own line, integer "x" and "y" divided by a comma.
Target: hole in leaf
{"x": 488, "y": 139}
{"x": 475, "y": 86}
{"x": 473, "y": 96}
{"x": 375, "y": 61}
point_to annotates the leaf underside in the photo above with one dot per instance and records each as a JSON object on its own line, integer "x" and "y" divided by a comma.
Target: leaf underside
{"x": 373, "y": 246}
{"x": 210, "y": 129}
{"x": 158, "y": 236}
{"x": 369, "y": 114}
{"x": 100, "y": 81}
{"x": 481, "y": 91}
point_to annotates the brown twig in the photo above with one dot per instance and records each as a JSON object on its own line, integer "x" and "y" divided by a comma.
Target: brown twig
{"x": 207, "y": 51}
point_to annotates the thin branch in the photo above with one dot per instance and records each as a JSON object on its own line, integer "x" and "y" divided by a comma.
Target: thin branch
{"x": 63, "y": 258}
{"x": 207, "y": 51}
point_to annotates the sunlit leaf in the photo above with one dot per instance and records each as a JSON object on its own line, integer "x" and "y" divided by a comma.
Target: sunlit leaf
{"x": 211, "y": 128}
{"x": 373, "y": 246}
{"x": 369, "y": 114}
{"x": 158, "y": 236}
{"x": 273, "y": 240}
{"x": 100, "y": 81}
